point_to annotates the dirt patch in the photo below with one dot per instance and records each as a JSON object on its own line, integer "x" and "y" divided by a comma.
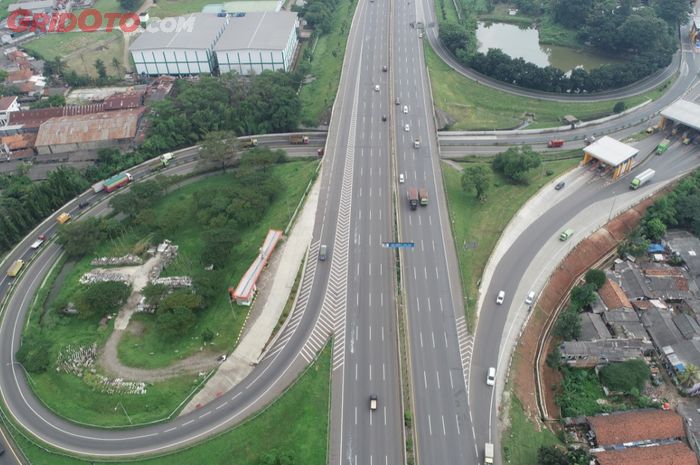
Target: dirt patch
{"x": 581, "y": 258}
{"x": 136, "y": 328}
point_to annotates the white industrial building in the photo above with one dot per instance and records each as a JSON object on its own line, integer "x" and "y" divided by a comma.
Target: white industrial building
{"x": 178, "y": 46}
{"x": 255, "y": 42}
{"x": 245, "y": 43}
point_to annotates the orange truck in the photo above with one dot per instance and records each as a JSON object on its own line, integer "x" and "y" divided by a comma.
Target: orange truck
{"x": 555, "y": 143}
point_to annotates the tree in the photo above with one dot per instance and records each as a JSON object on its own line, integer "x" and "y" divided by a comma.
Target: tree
{"x": 674, "y": 11}
{"x": 80, "y": 238}
{"x": 219, "y": 147}
{"x": 476, "y": 177}
{"x": 455, "y": 37}
{"x": 57, "y": 100}
{"x": 551, "y": 455}
{"x": 116, "y": 65}
{"x": 207, "y": 336}
{"x": 619, "y": 107}
{"x": 101, "y": 298}
{"x": 101, "y": 70}
{"x": 654, "y": 229}
{"x": 568, "y": 325}
{"x": 130, "y": 5}
{"x": 173, "y": 324}
{"x": 596, "y": 278}
{"x": 689, "y": 377}
{"x": 182, "y": 298}
{"x": 35, "y": 353}
{"x": 516, "y": 162}
{"x": 625, "y": 376}
{"x": 582, "y": 296}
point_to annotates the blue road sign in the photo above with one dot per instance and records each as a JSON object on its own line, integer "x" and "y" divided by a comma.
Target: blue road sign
{"x": 399, "y": 245}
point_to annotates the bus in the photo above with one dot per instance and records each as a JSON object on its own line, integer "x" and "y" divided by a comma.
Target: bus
{"x": 14, "y": 269}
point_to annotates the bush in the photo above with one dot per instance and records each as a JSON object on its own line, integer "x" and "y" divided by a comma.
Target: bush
{"x": 34, "y": 353}
{"x": 580, "y": 392}
{"x": 619, "y": 107}
{"x": 516, "y": 162}
{"x": 568, "y": 325}
{"x": 173, "y": 324}
{"x": 596, "y": 278}
{"x": 101, "y": 299}
{"x": 582, "y": 296}
{"x": 625, "y": 376}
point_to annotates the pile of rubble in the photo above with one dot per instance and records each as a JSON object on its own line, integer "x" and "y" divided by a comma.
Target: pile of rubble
{"x": 143, "y": 307}
{"x": 100, "y": 276}
{"x": 174, "y": 281}
{"x": 75, "y": 360}
{"x": 114, "y": 386}
{"x": 168, "y": 253}
{"x": 129, "y": 259}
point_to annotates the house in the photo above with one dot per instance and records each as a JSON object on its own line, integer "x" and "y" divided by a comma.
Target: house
{"x": 7, "y": 106}
{"x": 675, "y": 453}
{"x": 613, "y": 296}
{"x": 589, "y": 354}
{"x": 645, "y": 426}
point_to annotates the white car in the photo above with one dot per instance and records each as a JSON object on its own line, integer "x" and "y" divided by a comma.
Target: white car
{"x": 401, "y": 178}
{"x": 406, "y": 127}
{"x": 491, "y": 377}
{"x": 499, "y": 298}
{"x": 405, "y": 109}
{"x": 376, "y": 88}
{"x": 530, "y": 298}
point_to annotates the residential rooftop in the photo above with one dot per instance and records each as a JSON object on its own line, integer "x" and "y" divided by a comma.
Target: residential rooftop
{"x": 676, "y": 453}
{"x": 113, "y": 125}
{"x": 637, "y": 425}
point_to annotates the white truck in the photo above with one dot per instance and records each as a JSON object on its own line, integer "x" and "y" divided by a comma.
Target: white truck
{"x": 642, "y": 178}
{"x": 37, "y": 243}
{"x": 166, "y": 158}
{"x": 488, "y": 453}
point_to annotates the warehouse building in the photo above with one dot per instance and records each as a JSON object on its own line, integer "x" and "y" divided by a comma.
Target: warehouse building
{"x": 183, "y": 46}
{"x": 255, "y": 42}
{"x": 243, "y": 6}
{"x": 91, "y": 132}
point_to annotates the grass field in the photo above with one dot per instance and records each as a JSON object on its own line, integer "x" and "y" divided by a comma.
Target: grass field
{"x": 168, "y": 8}
{"x": 317, "y": 97}
{"x": 476, "y": 107}
{"x": 484, "y": 222}
{"x": 522, "y": 439}
{"x": 304, "y": 405}
{"x": 71, "y": 397}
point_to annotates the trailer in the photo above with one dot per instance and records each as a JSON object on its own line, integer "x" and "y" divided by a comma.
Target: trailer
{"x": 298, "y": 139}
{"x": 488, "y": 453}
{"x": 98, "y": 187}
{"x": 423, "y": 194}
{"x": 117, "y": 181}
{"x": 249, "y": 143}
{"x": 555, "y": 143}
{"x": 413, "y": 197}
{"x": 642, "y": 178}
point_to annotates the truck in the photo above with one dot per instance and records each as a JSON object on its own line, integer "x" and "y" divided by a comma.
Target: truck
{"x": 642, "y": 178}
{"x": 63, "y": 218}
{"x": 686, "y": 138}
{"x": 373, "y": 402}
{"x": 36, "y": 244}
{"x": 413, "y": 198}
{"x": 117, "y": 181}
{"x": 555, "y": 143}
{"x": 14, "y": 269}
{"x": 249, "y": 143}
{"x": 416, "y": 143}
{"x": 320, "y": 152}
{"x": 488, "y": 453}
{"x": 298, "y": 139}
{"x": 663, "y": 146}
{"x": 98, "y": 187}
{"x": 166, "y": 158}
{"x": 423, "y": 194}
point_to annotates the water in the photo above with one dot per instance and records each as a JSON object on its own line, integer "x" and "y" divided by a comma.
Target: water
{"x": 525, "y": 43}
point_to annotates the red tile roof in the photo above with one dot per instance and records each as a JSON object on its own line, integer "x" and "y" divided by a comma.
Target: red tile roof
{"x": 19, "y": 141}
{"x": 34, "y": 118}
{"x": 613, "y": 296}
{"x": 619, "y": 428}
{"x": 672, "y": 454}
{"x": 6, "y": 102}
{"x": 123, "y": 101}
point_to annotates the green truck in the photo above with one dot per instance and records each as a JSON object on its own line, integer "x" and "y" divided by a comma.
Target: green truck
{"x": 663, "y": 146}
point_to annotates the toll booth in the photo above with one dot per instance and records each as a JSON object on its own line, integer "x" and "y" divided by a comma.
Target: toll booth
{"x": 609, "y": 155}
{"x": 681, "y": 112}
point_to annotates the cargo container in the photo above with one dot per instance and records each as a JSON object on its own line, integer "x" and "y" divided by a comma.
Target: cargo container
{"x": 298, "y": 139}
{"x": 555, "y": 143}
{"x": 117, "y": 181}
{"x": 166, "y": 158}
{"x": 249, "y": 143}
{"x": 98, "y": 187}
{"x": 413, "y": 197}
{"x": 642, "y": 178}
{"x": 663, "y": 146}
{"x": 423, "y": 194}
{"x": 14, "y": 269}
{"x": 488, "y": 453}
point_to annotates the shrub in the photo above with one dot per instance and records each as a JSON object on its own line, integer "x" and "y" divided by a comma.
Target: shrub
{"x": 625, "y": 376}
{"x": 619, "y": 107}
{"x": 596, "y": 278}
{"x": 34, "y": 354}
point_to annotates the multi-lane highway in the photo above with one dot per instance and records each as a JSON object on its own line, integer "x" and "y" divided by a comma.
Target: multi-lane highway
{"x": 352, "y": 294}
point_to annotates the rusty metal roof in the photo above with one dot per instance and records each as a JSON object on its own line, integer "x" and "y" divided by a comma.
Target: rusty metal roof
{"x": 113, "y": 125}
{"x": 122, "y": 101}
{"x": 34, "y": 118}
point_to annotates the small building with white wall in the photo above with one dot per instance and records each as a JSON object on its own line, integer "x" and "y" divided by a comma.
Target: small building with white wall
{"x": 179, "y": 46}
{"x": 255, "y": 42}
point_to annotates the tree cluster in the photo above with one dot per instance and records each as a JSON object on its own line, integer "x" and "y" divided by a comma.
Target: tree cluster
{"x": 648, "y": 35}
{"x": 100, "y": 299}
{"x": 319, "y": 14}
{"x": 679, "y": 209}
{"x": 568, "y": 325}
{"x": 80, "y": 238}
{"x": 35, "y": 353}
{"x": 553, "y": 455}
{"x": 516, "y": 162}
{"x": 23, "y": 203}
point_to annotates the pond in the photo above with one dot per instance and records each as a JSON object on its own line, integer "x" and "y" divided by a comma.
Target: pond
{"x": 525, "y": 43}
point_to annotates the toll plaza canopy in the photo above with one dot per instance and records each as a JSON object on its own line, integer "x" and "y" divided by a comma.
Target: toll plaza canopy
{"x": 612, "y": 153}
{"x": 683, "y": 112}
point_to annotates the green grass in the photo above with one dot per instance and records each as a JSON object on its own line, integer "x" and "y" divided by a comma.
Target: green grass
{"x": 4, "y": 4}
{"x": 305, "y": 405}
{"x": 328, "y": 52}
{"x": 221, "y": 317}
{"x": 580, "y": 391}
{"x": 72, "y": 398}
{"x": 522, "y": 440}
{"x": 476, "y": 107}
{"x": 484, "y": 222}
{"x": 168, "y": 8}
